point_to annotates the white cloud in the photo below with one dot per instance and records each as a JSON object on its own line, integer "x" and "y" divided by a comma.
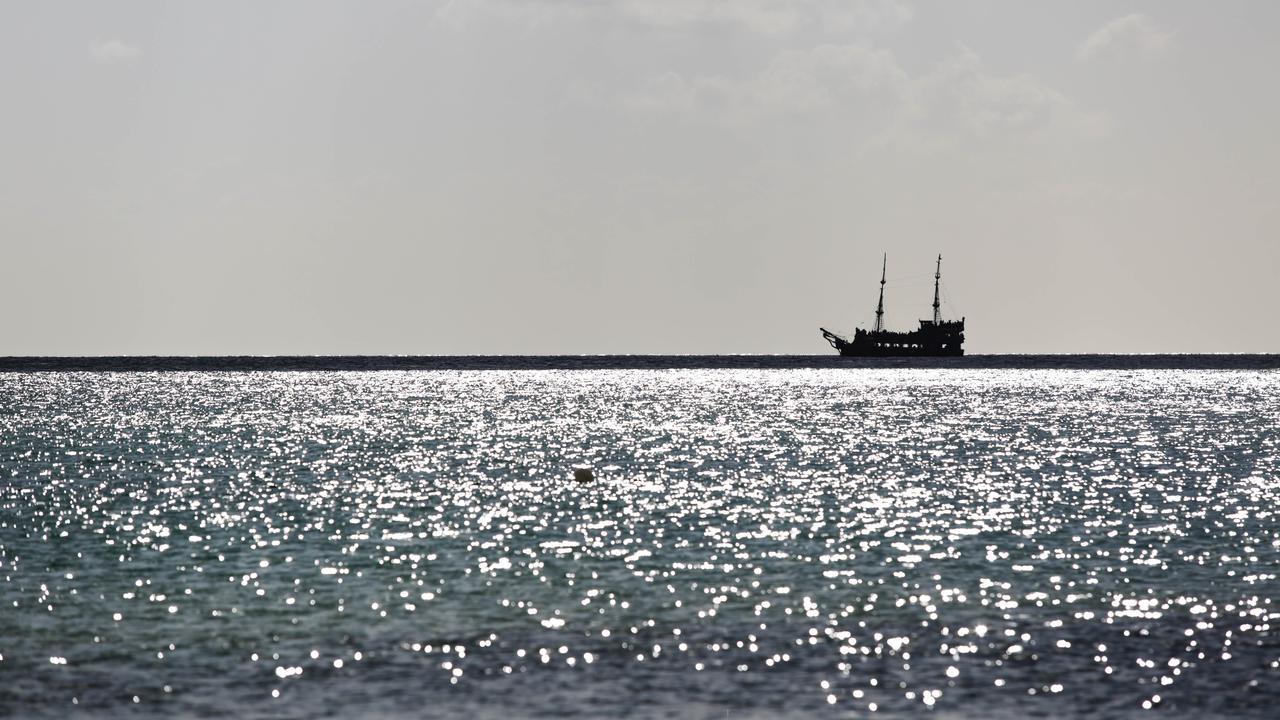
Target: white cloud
{"x": 462, "y": 13}
{"x": 821, "y": 77}
{"x": 959, "y": 98}
{"x": 769, "y": 16}
{"x": 759, "y": 16}
{"x": 964, "y": 93}
{"x": 669, "y": 92}
{"x": 793, "y": 82}
{"x": 1134, "y": 34}
{"x": 109, "y": 51}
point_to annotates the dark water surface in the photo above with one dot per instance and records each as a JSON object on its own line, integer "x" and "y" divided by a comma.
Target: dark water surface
{"x": 836, "y": 541}
{"x": 241, "y": 363}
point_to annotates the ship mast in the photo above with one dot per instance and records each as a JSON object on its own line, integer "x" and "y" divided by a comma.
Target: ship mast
{"x": 880, "y": 307}
{"x": 937, "y": 275}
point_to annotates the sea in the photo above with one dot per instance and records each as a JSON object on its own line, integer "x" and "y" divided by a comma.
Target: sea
{"x": 979, "y": 537}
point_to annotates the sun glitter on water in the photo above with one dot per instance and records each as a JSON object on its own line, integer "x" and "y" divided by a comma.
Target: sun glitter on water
{"x": 771, "y": 542}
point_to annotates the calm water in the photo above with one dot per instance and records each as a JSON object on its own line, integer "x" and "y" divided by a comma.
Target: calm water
{"x": 759, "y": 543}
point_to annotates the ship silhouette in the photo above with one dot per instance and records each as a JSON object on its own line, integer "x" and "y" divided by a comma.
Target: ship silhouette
{"x": 934, "y": 338}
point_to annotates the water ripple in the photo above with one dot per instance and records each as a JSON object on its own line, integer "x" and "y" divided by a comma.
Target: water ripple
{"x": 983, "y": 543}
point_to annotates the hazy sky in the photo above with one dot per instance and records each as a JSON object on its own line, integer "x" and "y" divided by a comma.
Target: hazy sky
{"x": 635, "y": 176}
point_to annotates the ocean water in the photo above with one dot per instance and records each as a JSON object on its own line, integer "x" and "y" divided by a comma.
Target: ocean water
{"x": 838, "y": 542}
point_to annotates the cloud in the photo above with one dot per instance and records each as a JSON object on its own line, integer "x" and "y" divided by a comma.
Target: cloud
{"x": 963, "y": 93}
{"x": 459, "y": 14}
{"x": 961, "y": 99}
{"x": 793, "y": 82}
{"x": 1132, "y": 34}
{"x": 669, "y": 92}
{"x": 771, "y": 17}
{"x": 958, "y": 99}
{"x": 113, "y": 51}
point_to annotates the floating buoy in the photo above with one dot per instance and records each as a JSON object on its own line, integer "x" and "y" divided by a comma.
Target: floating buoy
{"x": 583, "y": 474}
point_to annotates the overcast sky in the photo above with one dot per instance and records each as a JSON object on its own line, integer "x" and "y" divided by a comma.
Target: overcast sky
{"x": 635, "y": 176}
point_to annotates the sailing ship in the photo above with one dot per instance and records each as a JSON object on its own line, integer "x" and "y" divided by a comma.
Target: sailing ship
{"x": 934, "y": 338}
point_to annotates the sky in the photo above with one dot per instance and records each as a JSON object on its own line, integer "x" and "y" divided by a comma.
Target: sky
{"x": 635, "y": 176}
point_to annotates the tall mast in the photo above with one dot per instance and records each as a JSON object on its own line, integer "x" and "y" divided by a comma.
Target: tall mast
{"x": 937, "y": 276}
{"x": 880, "y": 307}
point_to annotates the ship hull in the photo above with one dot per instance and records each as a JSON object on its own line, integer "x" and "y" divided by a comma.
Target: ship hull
{"x": 945, "y": 339}
{"x": 851, "y": 351}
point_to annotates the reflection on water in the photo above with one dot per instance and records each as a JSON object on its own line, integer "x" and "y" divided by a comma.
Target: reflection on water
{"x": 803, "y": 543}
